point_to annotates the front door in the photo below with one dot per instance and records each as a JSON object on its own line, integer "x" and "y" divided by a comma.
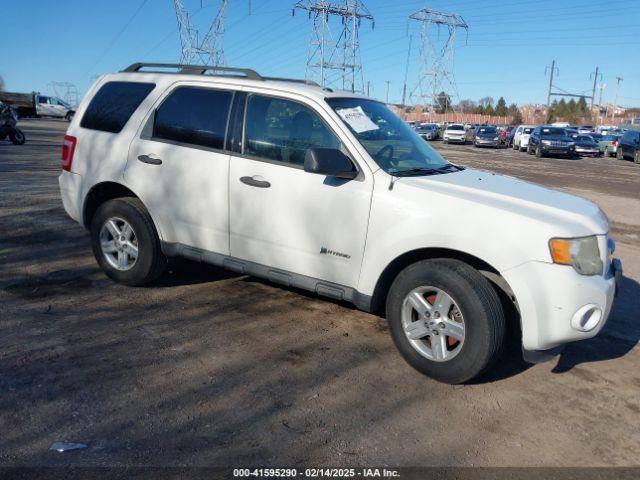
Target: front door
{"x": 284, "y": 217}
{"x": 177, "y": 166}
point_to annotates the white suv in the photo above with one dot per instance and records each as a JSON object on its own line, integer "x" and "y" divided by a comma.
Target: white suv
{"x": 455, "y": 133}
{"x": 331, "y": 192}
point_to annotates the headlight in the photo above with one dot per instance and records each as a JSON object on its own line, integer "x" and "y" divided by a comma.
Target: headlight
{"x": 495, "y": 138}
{"x": 546, "y": 142}
{"x": 582, "y": 254}
{"x": 572, "y": 144}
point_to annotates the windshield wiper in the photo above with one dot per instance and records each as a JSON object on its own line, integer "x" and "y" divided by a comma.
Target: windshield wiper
{"x": 450, "y": 166}
{"x": 414, "y": 171}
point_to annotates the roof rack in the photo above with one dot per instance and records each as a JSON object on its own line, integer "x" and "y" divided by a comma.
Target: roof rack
{"x": 203, "y": 69}
{"x": 195, "y": 69}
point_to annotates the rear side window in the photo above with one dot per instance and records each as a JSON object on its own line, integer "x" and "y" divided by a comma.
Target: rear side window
{"x": 196, "y": 116}
{"x": 113, "y": 105}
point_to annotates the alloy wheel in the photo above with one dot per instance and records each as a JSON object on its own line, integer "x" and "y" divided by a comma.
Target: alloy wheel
{"x": 119, "y": 243}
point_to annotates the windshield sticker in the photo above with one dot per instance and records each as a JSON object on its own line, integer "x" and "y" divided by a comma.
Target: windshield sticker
{"x": 357, "y": 119}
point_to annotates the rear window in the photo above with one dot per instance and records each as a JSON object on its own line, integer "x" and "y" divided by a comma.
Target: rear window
{"x": 196, "y": 116}
{"x": 113, "y": 105}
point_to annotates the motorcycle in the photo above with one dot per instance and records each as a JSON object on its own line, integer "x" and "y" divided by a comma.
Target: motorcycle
{"x": 8, "y": 121}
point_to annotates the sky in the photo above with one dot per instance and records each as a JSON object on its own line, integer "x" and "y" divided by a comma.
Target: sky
{"x": 504, "y": 53}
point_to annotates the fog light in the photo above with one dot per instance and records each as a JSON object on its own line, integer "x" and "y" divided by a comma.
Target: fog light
{"x": 586, "y": 318}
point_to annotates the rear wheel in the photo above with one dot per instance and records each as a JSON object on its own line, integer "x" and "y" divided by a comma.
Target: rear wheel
{"x": 125, "y": 242}
{"x": 619, "y": 154}
{"x": 446, "y": 319}
{"x": 636, "y": 157}
{"x": 17, "y": 137}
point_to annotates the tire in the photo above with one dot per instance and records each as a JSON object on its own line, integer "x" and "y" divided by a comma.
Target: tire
{"x": 636, "y": 157}
{"x": 445, "y": 141}
{"x": 17, "y": 137}
{"x": 539, "y": 153}
{"x": 69, "y": 116}
{"x": 472, "y": 296}
{"x": 529, "y": 151}
{"x": 149, "y": 263}
{"x": 619, "y": 154}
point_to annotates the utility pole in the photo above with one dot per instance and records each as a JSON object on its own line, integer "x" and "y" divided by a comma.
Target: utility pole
{"x": 437, "y": 49}
{"x": 552, "y": 69}
{"x": 406, "y": 73}
{"x": 615, "y": 102}
{"x": 341, "y": 56}
{"x": 209, "y": 50}
{"x": 387, "y": 82}
{"x": 595, "y": 81}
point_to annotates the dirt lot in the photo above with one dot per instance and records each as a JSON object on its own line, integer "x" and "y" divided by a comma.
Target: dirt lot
{"x": 210, "y": 368}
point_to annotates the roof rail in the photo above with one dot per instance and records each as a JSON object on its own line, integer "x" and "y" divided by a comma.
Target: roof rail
{"x": 294, "y": 80}
{"x": 195, "y": 69}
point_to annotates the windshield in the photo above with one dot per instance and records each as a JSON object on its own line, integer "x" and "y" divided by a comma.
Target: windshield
{"x": 487, "y": 130}
{"x": 455, "y": 127}
{"x": 393, "y": 145}
{"x": 552, "y": 131}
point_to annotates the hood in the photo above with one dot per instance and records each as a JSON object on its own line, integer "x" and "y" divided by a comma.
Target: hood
{"x": 566, "y": 214}
{"x": 556, "y": 138}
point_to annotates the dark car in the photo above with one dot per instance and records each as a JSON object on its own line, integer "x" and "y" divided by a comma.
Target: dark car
{"x": 546, "y": 140}
{"x": 629, "y": 146}
{"x": 487, "y": 136}
{"x": 587, "y": 146}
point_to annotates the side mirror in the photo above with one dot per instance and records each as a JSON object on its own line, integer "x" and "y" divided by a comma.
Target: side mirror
{"x": 330, "y": 162}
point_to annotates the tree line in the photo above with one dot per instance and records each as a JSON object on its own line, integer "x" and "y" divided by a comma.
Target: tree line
{"x": 484, "y": 106}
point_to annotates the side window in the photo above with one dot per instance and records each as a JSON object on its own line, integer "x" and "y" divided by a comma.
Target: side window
{"x": 42, "y": 99}
{"x": 53, "y": 101}
{"x": 283, "y": 130}
{"x": 194, "y": 115}
{"x": 112, "y": 106}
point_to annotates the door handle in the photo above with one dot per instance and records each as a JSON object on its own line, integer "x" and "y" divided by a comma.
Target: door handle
{"x": 254, "y": 182}
{"x": 149, "y": 159}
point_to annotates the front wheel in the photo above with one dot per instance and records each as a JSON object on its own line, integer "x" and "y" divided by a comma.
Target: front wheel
{"x": 446, "y": 319}
{"x": 636, "y": 157}
{"x": 619, "y": 154}
{"x": 539, "y": 152}
{"x": 125, "y": 242}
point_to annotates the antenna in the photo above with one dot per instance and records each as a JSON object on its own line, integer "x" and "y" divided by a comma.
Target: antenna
{"x": 437, "y": 54}
{"x": 330, "y": 61}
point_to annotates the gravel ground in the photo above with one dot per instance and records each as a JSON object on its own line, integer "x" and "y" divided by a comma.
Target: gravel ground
{"x": 210, "y": 368}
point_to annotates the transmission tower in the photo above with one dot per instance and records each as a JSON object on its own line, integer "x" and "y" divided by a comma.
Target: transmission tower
{"x": 437, "y": 48}
{"x": 335, "y": 62}
{"x": 66, "y": 91}
{"x": 207, "y": 49}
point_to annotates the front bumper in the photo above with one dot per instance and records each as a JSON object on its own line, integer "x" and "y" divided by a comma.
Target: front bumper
{"x": 587, "y": 151}
{"x": 481, "y": 142}
{"x": 557, "y": 150}
{"x": 557, "y": 305}
{"x": 456, "y": 139}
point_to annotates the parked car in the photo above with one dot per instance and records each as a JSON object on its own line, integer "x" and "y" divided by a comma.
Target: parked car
{"x": 521, "y": 137}
{"x": 549, "y": 140}
{"x": 586, "y": 146}
{"x": 504, "y": 135}
{"x": 428, "y": 131}
{"x": 585, "y": 129}
{"x": 609, "y": 144}
{"x": 455, "y": 133}
{"x": 344, "y": 201}
{"x": 629, "y": 146}
{"x": 487, "y": 137}
{"x": 571, "y": 132}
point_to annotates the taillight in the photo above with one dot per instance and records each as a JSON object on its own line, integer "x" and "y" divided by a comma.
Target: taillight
{"x": 614, "y": 143}
{"x": 68, "y": 149}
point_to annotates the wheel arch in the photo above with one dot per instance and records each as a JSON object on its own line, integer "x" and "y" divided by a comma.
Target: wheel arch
{"x": 99, "y": 194}
{"x": 498, "y": 282}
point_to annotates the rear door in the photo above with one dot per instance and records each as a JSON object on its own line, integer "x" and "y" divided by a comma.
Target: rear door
{"x": 284, "y": 217}
{"x": 178, "y": 166}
